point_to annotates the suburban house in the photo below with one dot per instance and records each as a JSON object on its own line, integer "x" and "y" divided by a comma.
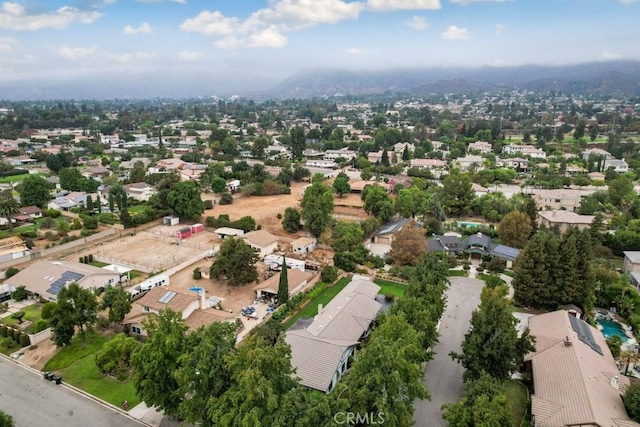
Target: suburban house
{"x": 506, "y": 253}
{"x": 97, "y": 172}
{"x": 574, "y": 170}
{"x": 525, "y": 150}
{"x": 337, "y": 154}
{"x": 564, "y": 219}
{"x": 265, "y": 242}
{"x": 268, "y": 289}
{"x": 477, "y": 244}
{"x": 575, "y": 378}
{"x": 631, "y": 265}
{"x": 618, "y": 165}
{"x": 304, "y": 245}
{"x": 519, "y": 164}
{"x": 46, "y": 278}
{"x": 140, "y": 191}
{"x": 596, "y": 176}
{"x": 469, "y": 162}
{"x": 596, "y": 152}
{"x": 436, "y": 166}
{"x": 233, "y": 185}
{"x": 157, "y": 299}
{"x": 25, "y": 214}
{"x": 325, "y": 164}
{"x": 401, "y": 146}
{"x": 67, "y": 201}
{"x": 558, "y": 199}
{"x": 12, "y": 248}
{"x": 480, "y": 146}
{"x": 386, "y": 232}
{"x": 129, "y": 164}
{"x": 322, "y": 349}
{"x": 479, "y": 189}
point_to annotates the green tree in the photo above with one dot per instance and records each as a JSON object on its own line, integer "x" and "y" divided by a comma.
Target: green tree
{"x": 298, "y": 142}
{"x": 578, "y": 133}
{"x": 261, "y": 375}
{"x": 156, "y": 361}
{"x": 236, "y": 261}
{"x": 341, "y": 186}
{"x": 35, "y": 191}
{"x": 483, "y": 404}
{"x": 118, "y": 301}
{"x": 384, "y": 159}
{"x": 114, "y": 357}
{"x": 619, "y": 189}
{"x": 347, "y": 236}
{"x": 317, "y": 206}
{"x": 632, "y": 401}
{"x": 492, "y": 345}
{"x": 283, "y": 284}
{"x": 291, "y": 220}
{"x": 387, "y": 372}
{"x": 218, "y": 184}
{"x": 410, "y": 202}
{"x": 76, "y": 308}
{"x": 515, "y": 229}
{"x": 457, "y": 194}
{"x": 614, "y": 343}
{"x": 138, "y": 172}
{"x": 89, "y": 203}
{"x": 6, "y": 420}
{"x": 377, "y": 202}
{"x": 184, "y": 199}
{"x": 9, "y": 207}
{"x": 203, "y": 374}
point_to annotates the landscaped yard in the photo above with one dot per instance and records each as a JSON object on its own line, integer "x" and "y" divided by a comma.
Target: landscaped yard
{"x": 519, "y": 398}
{"x": 389, "y": 287}
{"x": 76, "y": 364}
{"x": 31, "y": 313}
{"x": 460, "y": 273}
{"x": 324, "y": 297}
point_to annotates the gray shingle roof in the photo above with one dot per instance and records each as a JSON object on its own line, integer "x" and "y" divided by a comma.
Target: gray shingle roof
{"x": 505, "y": 252}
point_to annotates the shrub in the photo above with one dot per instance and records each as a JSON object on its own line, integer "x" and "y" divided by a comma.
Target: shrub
{"x": 11, "y": 271}
{"x": 208, "y": 204}
{"x": 3, "y": 331}
{"x": 106, "y": 218}
{"x": 20, "y": 294}
{"x": 496, "y": 265}
{"x": 7, "y": 342}
{"x": 279, "y": 216}
{"x": 16, "y": 336}
{"x": 30, "y": 234}
{"x": 197, "y": 274}
{"x": 389, "y": 296}
{"x": 632, "y": 401}
{"x": 40, "y": 326}
{"x": 52, "y": 213}
{"x": 102, "y": 322}
{"x": 48, "y": 309}
{"x": 18, "y": 315}
{"x": 24, "y": 340}
{"x": 28, "y": 242}
{"x": 226, "y": 199}
{"x": 466, "y": 267}
{"x": 329, "y": 274}
{"x": 90, "y": 258}
{"x": 479, "y": 269}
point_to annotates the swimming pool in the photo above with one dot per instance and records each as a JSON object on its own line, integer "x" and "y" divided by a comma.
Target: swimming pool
{"x": 195, "y": 289}
{"x": 609, "y": 328}
{"x": 468, "y": 224}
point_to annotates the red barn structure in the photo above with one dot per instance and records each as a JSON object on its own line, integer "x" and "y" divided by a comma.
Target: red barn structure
{"x": 183, "y": 233}
{"x": 197, "y": 228}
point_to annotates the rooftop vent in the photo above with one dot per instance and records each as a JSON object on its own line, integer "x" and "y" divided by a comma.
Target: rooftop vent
{"x": 567, "y": 342}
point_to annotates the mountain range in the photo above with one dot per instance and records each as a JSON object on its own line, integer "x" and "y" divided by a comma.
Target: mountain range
{"x": 603, "y": 78}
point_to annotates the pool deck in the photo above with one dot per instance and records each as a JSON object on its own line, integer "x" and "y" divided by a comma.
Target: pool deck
{"x": 608, "y": 315}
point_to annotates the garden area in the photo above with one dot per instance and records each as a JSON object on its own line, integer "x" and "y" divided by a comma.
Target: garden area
{"x": 323, "y": 297}
{"x": 388, "y": 287}
{"x": 518, "y": 396}
{"x": 76, "y": 363}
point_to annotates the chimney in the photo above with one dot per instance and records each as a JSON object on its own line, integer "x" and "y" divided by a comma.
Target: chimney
{"x": 319, "y": 308}
{"x": 553, "y": 214}
{"x": 567, "y": 342}
{"x": 203, "y": 300}
{"x": 615, "y": 383}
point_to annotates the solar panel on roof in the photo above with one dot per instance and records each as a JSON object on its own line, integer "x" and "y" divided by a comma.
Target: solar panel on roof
{"x": 584, "y": 332}
{"x": 168, "y": 296}
{"x": 67, "y": 276}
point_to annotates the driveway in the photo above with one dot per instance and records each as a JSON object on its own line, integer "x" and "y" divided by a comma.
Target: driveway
{"x": 34, "y": 402}
{"x": 443, "y": 376}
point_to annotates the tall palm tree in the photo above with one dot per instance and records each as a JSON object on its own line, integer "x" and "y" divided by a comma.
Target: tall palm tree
{"x": 9, "y": 207}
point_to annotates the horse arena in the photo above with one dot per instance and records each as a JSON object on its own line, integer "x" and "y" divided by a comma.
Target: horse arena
{"x": 155, "y": 249}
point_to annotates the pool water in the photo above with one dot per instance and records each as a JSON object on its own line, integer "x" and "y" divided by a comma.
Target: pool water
{"x": 468, "y": 224}
{"x": 610, "y": 328}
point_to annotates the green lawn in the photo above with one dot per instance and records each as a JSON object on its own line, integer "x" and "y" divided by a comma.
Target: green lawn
{"x": 484, "y": 276}
{"x": 518, "y": 396}
{"x": 14, "y": 178}
{"x": 460, "y": 273}
{"x": 31, "y": 313}
{"x": 311, "y": 309}
{"x": 389, "y": 287}
{"x": 7, "y": 233}
{"x": 135, "y": 209}
{"x": 76, "y": 364}
{"x": 98, "y": 264}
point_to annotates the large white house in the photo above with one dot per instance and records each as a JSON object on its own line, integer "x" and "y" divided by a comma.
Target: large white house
{"x": 525, "y": 150}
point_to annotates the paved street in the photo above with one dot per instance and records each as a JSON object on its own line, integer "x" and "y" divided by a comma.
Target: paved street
{"x": 34, "y": 402}
{"x": 443, "y": 376}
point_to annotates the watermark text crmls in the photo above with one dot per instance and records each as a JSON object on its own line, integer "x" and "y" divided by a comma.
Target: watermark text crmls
{"x": 357, "y": 418}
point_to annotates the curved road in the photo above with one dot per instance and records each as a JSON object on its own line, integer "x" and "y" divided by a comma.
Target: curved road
{"x": 34, "y": 402}
{"x": 443, "y": 376}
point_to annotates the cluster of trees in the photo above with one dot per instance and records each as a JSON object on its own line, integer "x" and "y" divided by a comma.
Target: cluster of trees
{"x": 317, "y": 206}
{"x": 555, "y": 270}
{"x": 204, "y": 377}
{"x": 236, "y": 262}
{"x": 491, "y": 352}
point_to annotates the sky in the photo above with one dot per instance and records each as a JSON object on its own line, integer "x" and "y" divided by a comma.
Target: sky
{"x": 66, "y": 39}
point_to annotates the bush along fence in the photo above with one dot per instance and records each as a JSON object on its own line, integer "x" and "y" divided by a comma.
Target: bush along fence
{"x": 10, "y": 337}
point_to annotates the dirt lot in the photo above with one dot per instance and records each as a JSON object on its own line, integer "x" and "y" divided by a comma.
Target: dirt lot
{"x": 39, "y": 356}
{"x": 155, "y": 249}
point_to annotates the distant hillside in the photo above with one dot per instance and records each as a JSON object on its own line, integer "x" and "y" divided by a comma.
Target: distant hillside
{"x": 614, "y": 77}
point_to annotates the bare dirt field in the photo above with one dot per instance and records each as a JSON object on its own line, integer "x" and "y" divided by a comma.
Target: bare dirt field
{"x": 155, "y": 249}
{"x": 37, "y": 357}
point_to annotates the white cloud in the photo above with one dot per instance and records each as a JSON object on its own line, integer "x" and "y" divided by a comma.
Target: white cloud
{"x": 356, "y": 51}
{"x": 190, "y": 56}
{"x": 297, "y": 14}
{"x": 7, "y": 43}
{"x": 500, "y": 28}
{"x": 270, "y": 37}
{"x": 628, "y": 1}
{"x": 213, "y": 24}
{"x": 128, "y": 58}
{"x": 403, "y": 4}
{"x": 417, "y": 23}
{"x": 454, "y": 33}
{"x": 144, "y": 28}
{"x": 69, "y": 52}
{"x": 607, "y": 56}
{"x": 466, "y": 2}
{"x": 14, "y": 16}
